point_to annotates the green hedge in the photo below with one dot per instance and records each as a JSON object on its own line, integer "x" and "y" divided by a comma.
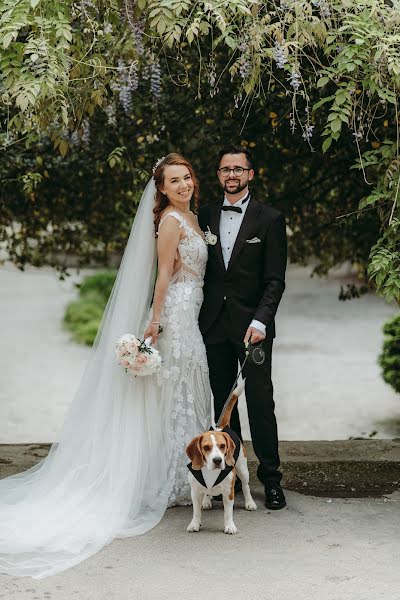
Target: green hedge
{"x": 82, "y": 317}
{"x": 389, "y": 359}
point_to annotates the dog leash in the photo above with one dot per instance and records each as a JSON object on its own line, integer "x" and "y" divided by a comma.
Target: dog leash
{"x": 232, "y": 390}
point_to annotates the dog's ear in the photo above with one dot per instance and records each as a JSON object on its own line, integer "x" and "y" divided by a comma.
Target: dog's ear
{"x": 193, "y": 451}
{"x": 230, "y": 449}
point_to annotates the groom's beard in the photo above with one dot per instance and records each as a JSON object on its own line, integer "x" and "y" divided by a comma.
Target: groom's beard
{"x": 234, "y": 189}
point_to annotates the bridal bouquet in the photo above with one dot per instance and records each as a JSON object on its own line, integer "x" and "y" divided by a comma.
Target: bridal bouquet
{"x": 136, "y": 356}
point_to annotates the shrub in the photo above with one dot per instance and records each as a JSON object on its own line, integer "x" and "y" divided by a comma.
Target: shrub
{"x": 101, "y": 283}
{"x": 389, "y": 359}
{"x": 82, "y": 317}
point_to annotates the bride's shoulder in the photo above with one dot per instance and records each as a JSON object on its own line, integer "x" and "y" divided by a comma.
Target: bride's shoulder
{"x": 170, "y": 212}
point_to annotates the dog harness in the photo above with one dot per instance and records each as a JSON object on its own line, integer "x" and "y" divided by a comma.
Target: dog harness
{"x": 198, "y": 475}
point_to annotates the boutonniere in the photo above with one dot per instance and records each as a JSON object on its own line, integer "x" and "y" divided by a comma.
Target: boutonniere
{"x": 210, "y": 238}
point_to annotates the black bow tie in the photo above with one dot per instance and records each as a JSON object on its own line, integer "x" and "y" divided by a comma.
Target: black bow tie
{"x": 233, "y": 208}
{"x": 236, "y": 209}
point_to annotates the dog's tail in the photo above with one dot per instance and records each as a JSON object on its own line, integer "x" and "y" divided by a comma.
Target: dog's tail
{"x": 225, "y": 419}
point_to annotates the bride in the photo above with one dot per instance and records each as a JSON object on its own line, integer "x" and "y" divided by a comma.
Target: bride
{"x": 120, "y": 460}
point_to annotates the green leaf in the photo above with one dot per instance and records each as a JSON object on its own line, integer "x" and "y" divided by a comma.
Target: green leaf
{"x": 63, "y": 147}
{"x": 161, "y": 26}
{"x": 7, "y": 39}
{"x": 326, "y": 145}
{"x": 230, "y": 42}
{"x": 322, "y": 102}
{"x": 336, "y": 125}
{"x": 22, "y": 101}
{"x": 64, "y": 115}
{"x": 322, "y": 81}
{"x": 340, "y": 98}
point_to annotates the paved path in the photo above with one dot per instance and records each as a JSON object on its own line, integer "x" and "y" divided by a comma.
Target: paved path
{"x": 315, "y": 549}
{"x": 327, "y": 382}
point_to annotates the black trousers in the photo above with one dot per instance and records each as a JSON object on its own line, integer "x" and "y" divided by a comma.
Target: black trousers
{"x": 223, "y": 354}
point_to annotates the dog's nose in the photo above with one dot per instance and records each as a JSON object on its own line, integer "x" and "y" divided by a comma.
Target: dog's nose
{"x": 217, "y": 460}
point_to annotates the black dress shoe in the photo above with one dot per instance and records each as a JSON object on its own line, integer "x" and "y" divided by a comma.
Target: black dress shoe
{"x": 274, "y": 497}
{"x": 238, "y": 488}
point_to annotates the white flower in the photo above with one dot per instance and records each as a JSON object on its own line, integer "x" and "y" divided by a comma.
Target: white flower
{"x": 136, "y": 357}
{"x": 210, "y": 238}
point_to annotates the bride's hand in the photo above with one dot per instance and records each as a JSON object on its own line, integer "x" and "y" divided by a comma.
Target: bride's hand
{"x": 152, "y": 331}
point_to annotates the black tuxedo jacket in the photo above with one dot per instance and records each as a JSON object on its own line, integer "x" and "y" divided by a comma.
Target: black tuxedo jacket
{"x": 252, "y": 285}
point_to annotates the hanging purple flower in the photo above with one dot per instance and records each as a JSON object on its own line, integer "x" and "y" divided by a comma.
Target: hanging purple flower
{"x": 86, "y": 131}
{"x": 146, "y": 71}
{"x": 155, "y": 79}
{"x": 279, "y": 55}
{"x": 74, "y": 139}
{"x": 128, "y": 83}
{"x": 294, "y": 80}
{"x": 323, "y": 8}
{"x": 133, "y": 77}
{"x": 110, "y": 111}
{"x": 138, "y": 36}
{"x": 308, "y": 132}
{"x": 244, "y": 68}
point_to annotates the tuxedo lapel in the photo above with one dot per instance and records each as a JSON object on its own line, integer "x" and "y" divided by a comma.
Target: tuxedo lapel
{"x": 245, "y": 230}
{"x": 214, "y": 226}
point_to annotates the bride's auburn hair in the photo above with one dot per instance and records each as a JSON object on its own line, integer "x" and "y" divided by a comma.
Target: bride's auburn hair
{"x": 161, "y": 200}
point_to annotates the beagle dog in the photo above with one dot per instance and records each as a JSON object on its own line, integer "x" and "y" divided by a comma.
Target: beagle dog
{"x": 217, "y": 456}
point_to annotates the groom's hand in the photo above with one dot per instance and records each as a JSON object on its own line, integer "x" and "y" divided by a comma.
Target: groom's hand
{"x": 254, "y": 335}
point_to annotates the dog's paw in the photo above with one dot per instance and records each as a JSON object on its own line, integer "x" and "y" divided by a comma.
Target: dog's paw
{"x": 206, "y": 504}
{"x": 250, "y": 505}
{"x": 231, "y": 528}
{"x": 193, "y": 526}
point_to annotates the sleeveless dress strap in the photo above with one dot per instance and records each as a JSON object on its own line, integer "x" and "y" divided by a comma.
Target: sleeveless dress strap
{"x": 179, "y": 218}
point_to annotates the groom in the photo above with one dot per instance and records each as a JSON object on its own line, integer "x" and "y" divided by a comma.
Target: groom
{"x": 244, "y": 282}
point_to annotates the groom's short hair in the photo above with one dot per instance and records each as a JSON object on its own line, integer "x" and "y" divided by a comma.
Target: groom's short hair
{"x": 235, "y": 149}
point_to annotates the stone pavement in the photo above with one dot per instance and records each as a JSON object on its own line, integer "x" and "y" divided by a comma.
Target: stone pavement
{"x": 342, "y": 468}
{"x": 315, "y": 549}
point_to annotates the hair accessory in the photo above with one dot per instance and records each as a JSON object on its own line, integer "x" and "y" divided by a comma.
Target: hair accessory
{"x": 158, "y": 162}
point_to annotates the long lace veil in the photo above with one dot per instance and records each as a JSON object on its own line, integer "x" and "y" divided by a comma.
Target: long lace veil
{"x": 104, "y": 478}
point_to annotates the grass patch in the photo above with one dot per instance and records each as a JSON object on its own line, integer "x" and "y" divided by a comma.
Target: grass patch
{"x": 82, "y": 317}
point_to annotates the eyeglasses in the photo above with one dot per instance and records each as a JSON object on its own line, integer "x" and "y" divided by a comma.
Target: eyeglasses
{"x": 238, "y": 171}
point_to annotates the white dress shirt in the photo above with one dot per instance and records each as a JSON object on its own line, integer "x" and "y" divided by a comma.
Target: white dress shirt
{"x": 229, "y": 226}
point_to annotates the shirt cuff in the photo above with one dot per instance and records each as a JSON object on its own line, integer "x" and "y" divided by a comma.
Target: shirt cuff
{"x": 258, "y": 325}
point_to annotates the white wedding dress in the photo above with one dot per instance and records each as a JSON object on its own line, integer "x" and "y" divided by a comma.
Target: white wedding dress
{"x": 120, "y": 459}
{"x": 184, "y": 379}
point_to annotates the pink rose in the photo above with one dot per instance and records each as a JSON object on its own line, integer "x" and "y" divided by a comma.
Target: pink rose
{"x": 142, "y": 359}
{"x": 125, "y": 363}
